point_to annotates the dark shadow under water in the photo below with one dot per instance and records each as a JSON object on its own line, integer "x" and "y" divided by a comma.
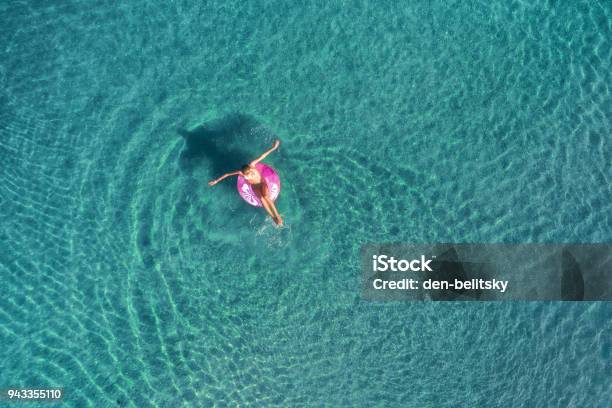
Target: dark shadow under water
{"x": 225, "y": 144}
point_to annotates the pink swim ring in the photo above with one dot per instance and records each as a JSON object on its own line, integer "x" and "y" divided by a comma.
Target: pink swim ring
{"x": 269, "y": 175}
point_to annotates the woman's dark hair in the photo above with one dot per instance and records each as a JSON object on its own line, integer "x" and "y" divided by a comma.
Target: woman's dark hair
{"x": 245, "y": 168}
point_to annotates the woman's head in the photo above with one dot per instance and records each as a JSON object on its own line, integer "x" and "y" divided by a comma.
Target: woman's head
{"x": 250, "y": 173}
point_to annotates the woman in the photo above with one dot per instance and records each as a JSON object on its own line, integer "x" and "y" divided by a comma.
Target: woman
{"x": 257, "y": 183}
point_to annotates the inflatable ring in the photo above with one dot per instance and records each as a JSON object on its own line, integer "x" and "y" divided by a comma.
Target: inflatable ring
{"x": 271, "y": 178}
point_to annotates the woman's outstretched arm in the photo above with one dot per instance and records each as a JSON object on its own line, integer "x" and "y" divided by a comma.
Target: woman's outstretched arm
{"x": 263, "y": 156}
{"x": 226, "y": 175}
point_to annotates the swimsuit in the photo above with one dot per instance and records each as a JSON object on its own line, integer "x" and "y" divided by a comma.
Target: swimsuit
{"x": 261, "y": 189}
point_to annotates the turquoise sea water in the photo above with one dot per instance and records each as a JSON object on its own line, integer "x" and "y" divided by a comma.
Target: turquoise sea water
{"x": 129, "y": 282}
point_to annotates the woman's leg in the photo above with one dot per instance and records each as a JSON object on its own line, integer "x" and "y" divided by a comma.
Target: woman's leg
{"x": 271, "y": 209}
{"x": 275, "y": 211}
{"x": 266, "y": 205}
{"x": 265, "y": 190}
{"x": 262, "y": 193}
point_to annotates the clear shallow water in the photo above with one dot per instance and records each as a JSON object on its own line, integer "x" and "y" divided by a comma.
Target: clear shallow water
{"x": 129, "y": 282}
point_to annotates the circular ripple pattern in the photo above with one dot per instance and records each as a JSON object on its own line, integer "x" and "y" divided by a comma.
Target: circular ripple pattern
{"x": 129, "y": 282}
